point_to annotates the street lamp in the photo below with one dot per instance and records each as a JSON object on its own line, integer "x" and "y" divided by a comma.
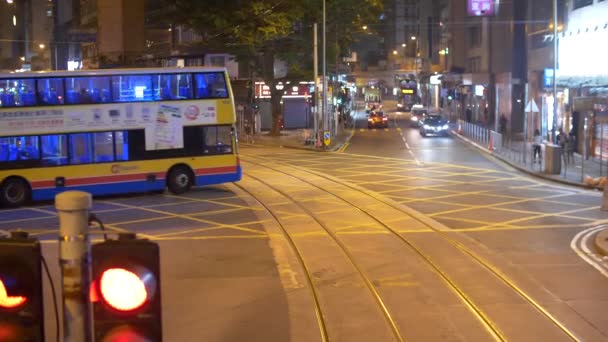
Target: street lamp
{"x": 395, "y": 52}
{"x": 41, "y": 46}
{"x": 403, "y": 45}
{"x": 364, "y": 27}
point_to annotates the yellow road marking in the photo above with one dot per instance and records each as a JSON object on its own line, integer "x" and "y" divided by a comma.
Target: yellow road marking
{"x": 559, "y": 214}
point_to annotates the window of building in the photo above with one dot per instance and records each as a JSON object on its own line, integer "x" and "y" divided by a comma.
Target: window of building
{"x": 54, "y": 149}
{"x": 474, "y": 35}
{"x": 475, "y": 64}
{"x": 17, "y": 93}
{"x": 50, "y": 91}
{"x": 84, "y": 90}
{"x": 219, "y": 61}
{"x": 19, "y": 148}
{"x": 172, "y": 86}
{"x": 132, "y": 88}
{"x": 211, "y": 85}
{"x": 582, "y": 3}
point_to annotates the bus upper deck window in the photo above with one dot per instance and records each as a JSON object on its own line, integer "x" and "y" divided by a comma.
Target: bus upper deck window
{"x": 50, "y": 91}
{"x": 86, "y": 90}
{"x": 17, "y": 93}
{"x": 130, "y": 88}
{"x": 172, "y": 86}
{"x": 211, "y": 85}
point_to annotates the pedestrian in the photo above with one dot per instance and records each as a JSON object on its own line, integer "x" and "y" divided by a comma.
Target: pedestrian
{"x": 571, "y": 146}
{"x": 538, "y": 140}
{"x": 469, "y": 114}
{"x": 562, "y": 141}
{"x": 502, "y": 122}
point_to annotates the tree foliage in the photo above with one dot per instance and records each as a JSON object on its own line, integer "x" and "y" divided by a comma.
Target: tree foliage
{"x": 260, "y": 32}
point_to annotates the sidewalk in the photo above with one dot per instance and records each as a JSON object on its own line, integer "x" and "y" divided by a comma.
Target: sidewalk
{"x": 513, "y": 152}
{"x": 299, "y": 139}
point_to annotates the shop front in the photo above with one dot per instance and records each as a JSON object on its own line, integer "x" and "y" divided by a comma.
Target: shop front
{"x": 476, "y": 98}
{"x": 583, "y": 78}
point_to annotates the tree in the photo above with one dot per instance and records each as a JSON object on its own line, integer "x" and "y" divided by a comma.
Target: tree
{"x": 261, "y": 32}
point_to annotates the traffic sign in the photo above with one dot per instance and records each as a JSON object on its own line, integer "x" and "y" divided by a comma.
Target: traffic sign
{"x": 326, "y": 138}
{"x": 532, "y": 107}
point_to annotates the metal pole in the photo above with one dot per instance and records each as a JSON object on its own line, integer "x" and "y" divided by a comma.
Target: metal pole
{"x": 316, "y": 76}
{"x": 324, "y": 104}
{"x": 74, "y": 259}
{"x": 56, "y": 59}
{"x": 525, "y": 134}
{"x": 554, "y": 70}
{"x": 601, "y": 146}
{"x": 584, "y": 151}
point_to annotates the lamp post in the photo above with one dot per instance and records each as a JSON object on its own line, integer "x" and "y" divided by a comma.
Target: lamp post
{"x": 415, "y": 55}
{"x": 324, "y": 104}
{"x": 554, "y": 69}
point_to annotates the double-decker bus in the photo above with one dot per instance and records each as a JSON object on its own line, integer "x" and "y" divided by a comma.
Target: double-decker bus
{"x": 115, "y": 131}
{"x": 408, "y": 94}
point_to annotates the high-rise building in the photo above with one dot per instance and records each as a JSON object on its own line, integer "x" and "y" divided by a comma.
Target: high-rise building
{"x": 26, "y": 28}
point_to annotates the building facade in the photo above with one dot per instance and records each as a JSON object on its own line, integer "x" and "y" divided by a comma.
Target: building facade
{"x": 26, "y": 28}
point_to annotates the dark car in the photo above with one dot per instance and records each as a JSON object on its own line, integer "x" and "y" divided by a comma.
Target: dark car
{"x": 377, "y": 119}
{"x": 434, "y": 125}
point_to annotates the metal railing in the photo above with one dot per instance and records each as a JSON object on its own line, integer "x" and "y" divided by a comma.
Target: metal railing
{"x": 519, "y": 150}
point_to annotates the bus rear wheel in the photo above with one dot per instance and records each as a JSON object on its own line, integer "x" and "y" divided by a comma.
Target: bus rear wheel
{"x": 180, "y": 180}
{"x": 15, "y": 192}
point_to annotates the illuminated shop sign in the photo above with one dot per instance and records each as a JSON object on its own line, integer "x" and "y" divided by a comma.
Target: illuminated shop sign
{"x": 481, "y": 8}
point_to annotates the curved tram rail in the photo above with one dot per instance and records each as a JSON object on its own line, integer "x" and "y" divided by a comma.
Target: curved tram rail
{"x": 347, "y": 253}
{"x": 469, "y": 303}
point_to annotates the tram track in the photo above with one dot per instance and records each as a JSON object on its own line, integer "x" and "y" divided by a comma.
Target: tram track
{"x": 494, "y": 271}
{"x": 300, "y": 257}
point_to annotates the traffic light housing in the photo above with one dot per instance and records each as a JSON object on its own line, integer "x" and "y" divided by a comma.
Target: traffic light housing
{"x": 21, "y": 299}
{"x": 126, "y": 290}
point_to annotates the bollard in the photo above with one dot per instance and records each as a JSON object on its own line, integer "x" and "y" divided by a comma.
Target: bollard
{"x": 74, "y": 259}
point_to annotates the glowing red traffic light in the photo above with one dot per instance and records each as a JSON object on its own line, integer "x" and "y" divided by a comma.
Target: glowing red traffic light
{"x": 122, "y": 289}
{"x": 9, "y": 302}
{"x": 126, "y": 291}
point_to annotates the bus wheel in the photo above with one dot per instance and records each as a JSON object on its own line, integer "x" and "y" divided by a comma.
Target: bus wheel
{"x": 180, "y": 180}
{"x": 15, "y": 192}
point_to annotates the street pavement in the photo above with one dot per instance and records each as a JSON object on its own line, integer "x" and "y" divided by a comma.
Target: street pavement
{"x": 390, "y": 237}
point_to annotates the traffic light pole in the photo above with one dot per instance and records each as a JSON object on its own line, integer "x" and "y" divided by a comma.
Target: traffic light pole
{"x": 316, "y": 72}
{"x": 74, "y": 258}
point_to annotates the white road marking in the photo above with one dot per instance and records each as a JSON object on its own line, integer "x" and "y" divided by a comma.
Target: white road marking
{"x": 407, "y": 146}
{"x": 585, "y": 253}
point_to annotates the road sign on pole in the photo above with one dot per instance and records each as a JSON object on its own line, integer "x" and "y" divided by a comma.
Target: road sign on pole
{"x": 326, "y": 138}
{"x": 531, "y": 107}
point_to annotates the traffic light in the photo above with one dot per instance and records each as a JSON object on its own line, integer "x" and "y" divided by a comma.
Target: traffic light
{"x": 126, "y": 290}
{"x": 21, "y": 307}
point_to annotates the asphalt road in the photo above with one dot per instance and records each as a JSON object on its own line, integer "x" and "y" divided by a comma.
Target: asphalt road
{"x": 396, "y": 237}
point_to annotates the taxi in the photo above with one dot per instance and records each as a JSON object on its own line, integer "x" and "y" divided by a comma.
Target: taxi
{"x": 377, "y": 120}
